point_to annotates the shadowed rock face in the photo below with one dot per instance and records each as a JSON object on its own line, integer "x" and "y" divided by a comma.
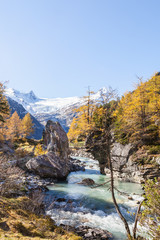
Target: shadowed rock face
{"x": 49, "y": 165}
{"x": 120, "y": 155}
{"x": 54, "y": 164}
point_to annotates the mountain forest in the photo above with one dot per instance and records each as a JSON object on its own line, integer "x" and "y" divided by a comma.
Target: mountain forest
{"x": 118, "y": 138}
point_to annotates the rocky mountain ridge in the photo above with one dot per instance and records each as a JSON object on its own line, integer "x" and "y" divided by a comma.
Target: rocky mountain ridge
{"x": 38, "y": 127}
{"x": 55, "y": 109}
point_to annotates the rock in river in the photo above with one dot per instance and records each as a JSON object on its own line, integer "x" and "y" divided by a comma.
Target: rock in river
{"x": 54, "y": 164}
{"x": 87, "y": 181}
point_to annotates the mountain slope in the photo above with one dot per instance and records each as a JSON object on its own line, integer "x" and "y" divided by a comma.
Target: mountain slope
{"x": 56, "y": 109}
{"x": 38, "y": 127}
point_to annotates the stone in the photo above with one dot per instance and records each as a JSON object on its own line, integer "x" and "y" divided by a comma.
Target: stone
{"x": 157, "y": 160}
{"x": 49, "y": 166}
{"x": 61, "y": 200}
{"x": 54, "y": 164}
{"x": 120, "y": 155}
{"x": 89, "y": 233}
{"x": 55, "y": 138}
{"x": 130, "y": 198}
{"x": 76, "y": 167}
{"x": 87, "y": 181}
{"x": 21, "y": 163}
{"x": 81, "y": 152}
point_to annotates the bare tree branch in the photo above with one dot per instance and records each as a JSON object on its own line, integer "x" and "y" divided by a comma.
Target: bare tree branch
{"x": 98, "y": 185}
{"x": 136, "y": 219}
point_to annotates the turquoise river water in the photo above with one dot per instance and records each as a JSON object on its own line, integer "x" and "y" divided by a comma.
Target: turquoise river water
{"x": 93, "y": 206}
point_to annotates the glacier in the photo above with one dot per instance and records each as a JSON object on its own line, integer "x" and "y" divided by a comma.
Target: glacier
{"x": 55, "y": 109}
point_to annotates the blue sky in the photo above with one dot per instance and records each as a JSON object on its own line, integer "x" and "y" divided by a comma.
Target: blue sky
{"x": 59, "y": 47}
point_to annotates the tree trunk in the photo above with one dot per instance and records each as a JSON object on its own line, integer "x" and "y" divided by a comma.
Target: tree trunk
{"x": 136, "y": 220}
{"x": 114, "y": 199}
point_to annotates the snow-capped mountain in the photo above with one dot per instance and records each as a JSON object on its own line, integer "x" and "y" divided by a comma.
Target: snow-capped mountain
{"x": 25, "y": 99}
{"x": 56, "y": 109}
{"x": 37, "y": 105}
{"x": 38, "y": 127}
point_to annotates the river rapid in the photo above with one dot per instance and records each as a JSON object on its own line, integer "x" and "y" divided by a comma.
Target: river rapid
{"x": 83, "y": 205}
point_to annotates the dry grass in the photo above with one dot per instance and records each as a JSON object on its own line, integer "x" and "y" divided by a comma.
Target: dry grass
{"x": 16, "y": 222}
{"x": 23, "y": 218}
{"x": 9, "y": 176}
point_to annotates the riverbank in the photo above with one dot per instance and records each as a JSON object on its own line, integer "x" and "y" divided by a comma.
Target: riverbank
{"x": 23, "y": 218}
{"x": 129, "y": 163}
{"x": 71, "y": 203}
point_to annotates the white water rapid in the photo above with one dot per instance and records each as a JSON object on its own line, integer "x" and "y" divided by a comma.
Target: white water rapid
{"x": 83, "y": 205}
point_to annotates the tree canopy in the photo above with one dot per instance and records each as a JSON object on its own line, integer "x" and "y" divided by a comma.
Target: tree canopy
{"x": 138, "y": 114}
{"x": 4, "y": 106}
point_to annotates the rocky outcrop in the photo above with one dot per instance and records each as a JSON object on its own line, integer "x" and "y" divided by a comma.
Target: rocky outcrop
{"x": 97, "y": 146}
{"x": 54, "y": 164}
{"x": 81, "y": 152}
{"x": 157, "y": 160}
{"x": 89, "y": 233}
{"x": 130, "y": 164}
{"x": 74, "y": 167}
{"x": 120, "y": 155}
{"x": 55, "y": 138}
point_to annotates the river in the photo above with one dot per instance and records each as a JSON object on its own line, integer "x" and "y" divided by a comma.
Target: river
{"x": 93, "y": 207}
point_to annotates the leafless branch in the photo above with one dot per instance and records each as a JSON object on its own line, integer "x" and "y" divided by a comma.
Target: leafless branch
{"x": 120, "y": 192}
{"x": 136, "y": 219}
{"x": 98, "y": 185}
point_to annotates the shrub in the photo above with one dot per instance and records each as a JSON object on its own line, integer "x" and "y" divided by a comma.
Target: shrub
{"x": 151, "y": 214}
{"x": 39, "y": 150}
{"x": 154, "y": 149}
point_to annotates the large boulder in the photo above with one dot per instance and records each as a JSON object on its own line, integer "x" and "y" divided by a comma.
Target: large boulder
{"x": 49, "y": 166}
{"x": 56, "y": 140}
{"x": 54, "y": 164}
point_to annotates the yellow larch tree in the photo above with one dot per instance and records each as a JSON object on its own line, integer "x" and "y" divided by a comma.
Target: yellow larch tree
{"x": 80, "y": 124}
{"x": 27, "y": 126}
{"x": 138, "y": 113}
{"x": 14, "y": 129}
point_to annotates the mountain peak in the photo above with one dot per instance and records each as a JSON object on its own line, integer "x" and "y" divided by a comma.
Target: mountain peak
{"x": 32, "y": 95}
{"x": 15, "y": 94}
